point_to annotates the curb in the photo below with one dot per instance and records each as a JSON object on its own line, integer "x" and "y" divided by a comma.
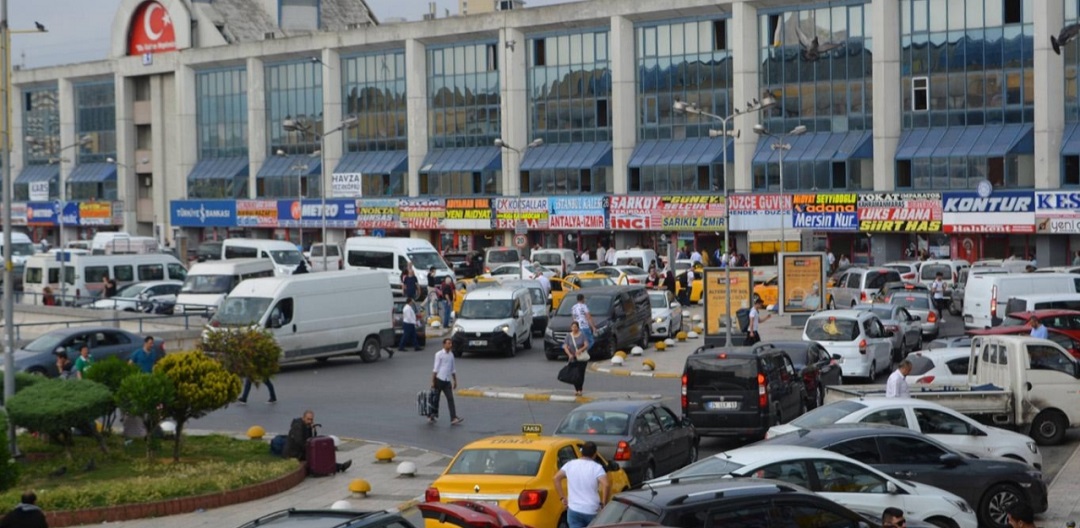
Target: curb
{"x": 473, "y": 393}
{"x": 634, "y": 373}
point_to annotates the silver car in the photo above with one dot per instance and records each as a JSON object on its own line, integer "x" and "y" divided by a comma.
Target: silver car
{"x": 919, "y": 305}
{"x": 859, "y": 285}
{"x": 666, "y": 313}
{"x": 856, "y": 339}
{"x": 906, "y": 329}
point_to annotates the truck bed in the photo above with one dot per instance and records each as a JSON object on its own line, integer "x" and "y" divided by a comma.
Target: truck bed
{"x": 960, "y": 398}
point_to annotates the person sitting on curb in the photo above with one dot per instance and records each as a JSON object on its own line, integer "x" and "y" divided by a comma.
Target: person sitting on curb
{"x": 300, "y": 431}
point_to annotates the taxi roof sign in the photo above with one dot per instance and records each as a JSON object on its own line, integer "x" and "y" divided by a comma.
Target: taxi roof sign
{"x": 532, "y": 429}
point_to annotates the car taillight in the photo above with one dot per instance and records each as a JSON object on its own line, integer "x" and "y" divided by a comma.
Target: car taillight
{"x": 215, "y": 324}
{"x": 431, "y": 495}
{"x": 862, "y": 347}
{"x": 632, "y": 281}
{"x": 622, "y": 451}
{"x": 762, "y": 392}
{"x": 993, "y": 303}
{"x": 932, "y": 318}
{"x": 862, "y": 296}
{"x": 532, "y": 499}
{"x": 925, "y": 379}
{"x": 682, "y": 398}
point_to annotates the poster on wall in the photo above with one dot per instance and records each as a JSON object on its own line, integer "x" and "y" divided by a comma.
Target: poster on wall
{"x": 900, "y": 212}
{"x": 801, "y": 277}
{"x": 533, "y": 213}
{"x": 826, "y": 212}
{"x": 257, "y": 213}
{"x": 422, "y": 213}
{"x": 1000, "y": 212}
{"x": 346, "y": 185}
{"x": 717, "y": 290}
{"x": 379, "y": 213}
{"x": 95, "y": 213}
{"x": 39, "y": 191}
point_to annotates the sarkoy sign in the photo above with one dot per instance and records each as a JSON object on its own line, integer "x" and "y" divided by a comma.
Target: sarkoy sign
{"x": 1001, "y": 212}
{"x": 202, "y": 213}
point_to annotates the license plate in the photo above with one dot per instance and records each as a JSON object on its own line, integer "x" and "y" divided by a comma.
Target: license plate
{"x": 478, "y": 342}
{"x": 969, "y": 319}
{"x": 721, "y": 406}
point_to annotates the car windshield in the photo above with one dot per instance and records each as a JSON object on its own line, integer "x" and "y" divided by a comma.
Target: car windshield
{"x": 45, "y": 343}
{"x": 131, "y": 290}
{"x": 513, "y": 462}
{"x": 503, "y": 257}
{"x": 828, "y": 414}
{"x": 548, "y": 259}
{"x": 797, "y": 353}
{"x": 717, "y": 465}
{"x": 241, "y": 311}
{"x": 618, "y": 511}
{"x": 919, "y": 302}
{"x": 832, "y": 329}
{"x": 22, "y": 249}
{"x": 208, "y": 284}
{"x": 658, "y": 300}
{"x": 929, "y": 272}
{"x": 598, "y": 305}
{"x": 425, "y": 260}
{"x": 486, "y": 309}
{"x": 900, "y": 268}
{"x": 595, "y": 423}
{"x": 883, "y": 312}
{"x": 1013, "y": 320}
{"x": 596, "y": 282}
{"x": 586, "y": 266}
{"x": 286, "y": 257}
{"x": 633, "y": 270}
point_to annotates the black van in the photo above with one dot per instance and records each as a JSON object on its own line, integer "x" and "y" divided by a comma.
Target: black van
{"x": 621, "y": 314}
{"x": 741, "y": 391}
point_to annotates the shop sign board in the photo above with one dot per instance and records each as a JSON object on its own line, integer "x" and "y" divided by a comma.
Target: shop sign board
{"x": 751, "y": 212}
{"x": 578, "y": 213}
{"x": 380, "y": 213}
{"x": 668, "y": 213}
{"x": 422, "y": 213}
{"x": 41, "y": 213}
{"x": 202, "y": 213}
{"x": 1057, "y": 212}
{"x": 468, "y": 213}
{"x": 346, "y": 185}
{"x": 94, "y": 213}
{"x": 716, "y": 294}
{"x": 18, "y": 214}
{"x": 900, "y": 212}
{"x": 257, "y": 213}
{"x": 339, "y": 213}
{"x": 1001, "y": 212}
{"x": 532, "y": 213}
{"x": 801, "y": 277}
{"x": 825, "y": 212}
{"x": 39, "y": 191}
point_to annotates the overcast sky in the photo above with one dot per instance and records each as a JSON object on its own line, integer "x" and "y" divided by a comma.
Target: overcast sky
{"x": 79, "y": 29}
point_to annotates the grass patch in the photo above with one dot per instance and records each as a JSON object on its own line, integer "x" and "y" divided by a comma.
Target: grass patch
{"x": 210, "y": 464}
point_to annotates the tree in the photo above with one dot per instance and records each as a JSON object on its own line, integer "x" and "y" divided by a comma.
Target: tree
{"x": 110, "y": 372}
{"x": 57, "y": 406}
{"x": 201, "y": 385}
{"x": 250, "y": 353}
{"x": 145, "y": 396}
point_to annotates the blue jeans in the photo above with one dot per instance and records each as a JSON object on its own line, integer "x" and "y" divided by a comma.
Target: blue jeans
{"x": 578, "y": 520}
{"x": 247, "y": 390}
{"x": 408, "y": 336}
{"x": 587, "y": 331}
{"x": 446, "y": 306}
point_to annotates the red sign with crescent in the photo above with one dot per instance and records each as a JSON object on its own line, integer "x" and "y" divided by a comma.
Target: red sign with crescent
{"x": 151, "y": 30}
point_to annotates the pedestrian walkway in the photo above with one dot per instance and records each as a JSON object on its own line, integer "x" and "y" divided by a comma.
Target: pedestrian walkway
{"x": 1064, "y": 490}
{"x": 552, "y": 395}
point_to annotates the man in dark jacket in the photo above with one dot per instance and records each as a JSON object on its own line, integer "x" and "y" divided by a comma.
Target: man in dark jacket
{"x": 26, "y": 514}
{"x": 300, "y": 431}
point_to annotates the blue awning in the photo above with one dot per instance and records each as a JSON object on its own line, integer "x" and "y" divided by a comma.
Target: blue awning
{"x": 39, "y": 173}
{"x": 92, "y": 173}
{"x": 228, "y": 168}
{"x": 1070, "y": 143}
{"x": 374, "y": 162}
{"x": 470, "y": 159}
{"x": 567, "y": 156}
{"x": 819, "y": 146}
{"x": 974, "y": 141}
{"x": 293, "y": 165}
{"x": 695, "y": 152}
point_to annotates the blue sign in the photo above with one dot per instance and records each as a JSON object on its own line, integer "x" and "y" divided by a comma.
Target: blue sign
{"x": 825, "y": 212}
{"x": 38, "y": 213}
{"x": 340, "y": 213}
{"x": 578, "y": 212}
{"x": 998, "y": 202}
{"x": 203, "y": 213}
{"x": 71, "y": 214}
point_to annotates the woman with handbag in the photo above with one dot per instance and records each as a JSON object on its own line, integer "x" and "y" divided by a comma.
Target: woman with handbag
{"x": 577, "y": 354}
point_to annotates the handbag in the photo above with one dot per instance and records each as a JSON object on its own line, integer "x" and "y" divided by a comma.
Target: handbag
{"x": 567, "y": 374}
{"x": 584, "y": 356}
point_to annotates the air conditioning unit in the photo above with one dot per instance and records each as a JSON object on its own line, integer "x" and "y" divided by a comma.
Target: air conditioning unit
{"x": 354, "y": 25}
{"x": 269, "y": 35}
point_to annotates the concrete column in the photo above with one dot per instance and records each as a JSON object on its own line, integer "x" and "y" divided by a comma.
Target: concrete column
{"x": 127, "y": 186}
{"x": 417, "y": 109}
{"x": 166, "y": 178}
{"x": 257, "y": 138}
{"x": 332, "y": 118}
{"x": 68, "y": 158}
{"x": 743, "y": 28}
{"x": 514, "y": 119}
{"x": 187, "y": 150}
{"x": 621, "y": 51}
{"x": 887, "y": 97}
{"x": 886, "y": 248}
{"x": 1050, "y": 250}
{"x": 1050, "y": 105}
{"x": 18, "y": 136}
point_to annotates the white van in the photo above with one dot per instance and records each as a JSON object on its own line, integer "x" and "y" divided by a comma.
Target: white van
{"x": 494, "y": 320}
{"x": 315, "y": 315}
{"x": 102, "y": 239}
{"x": 985, "y": 296}
{"x": 391, "y": 255}
{"x": 1043, "y": 301}
{"x": 137, "y": 245}
{"x": 284, "y": 255}
{"x": 208, "y": 283}
{"x": 560, "y": 260}
{"x": 83, "y": 273}
{"x": 950, "y": 273}
{"x": 22, "y": 248}
{"x": 642, "y": 258}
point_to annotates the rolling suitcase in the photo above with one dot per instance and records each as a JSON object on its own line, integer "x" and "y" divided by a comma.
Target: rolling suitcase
{"x": 427, "y": 403}
{"x": 321, "y": 458}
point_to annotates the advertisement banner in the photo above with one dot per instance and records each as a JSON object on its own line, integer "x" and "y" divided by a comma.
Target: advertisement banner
{"x": 533, "y": 213}
{"x": 716, "y": 292}
{"x": 202, "y": 213}
{"x": 635, "y": 213}
{"x": 468, "y": 213}
{"x": 94, "y": 213}
{"x": 382, "y": 213}
{"x": 579, "y": 212}
{"x": 900, "y": 213}
{"x": 346, "y": 185}
{"x": 41, "y": 213}
{"x": 71, "y": 214}
{"x": 339, "y": 213}
{"x": 1057, "y": 212}
{"x": 257, "y": 213}
{"x": 1001, "y": 212}
{"x": 422, "y": 213}
{"x": 826, "y": 212}
{"x": 667, "y": 213}
{"x": 39, "y": 191}
{"x": 801, "y": 277}
{"x": 751, "y": 212}
{"x": 18, "y": 214}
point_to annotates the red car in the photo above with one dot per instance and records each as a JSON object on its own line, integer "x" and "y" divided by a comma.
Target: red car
{"x": 1063, "y": 326}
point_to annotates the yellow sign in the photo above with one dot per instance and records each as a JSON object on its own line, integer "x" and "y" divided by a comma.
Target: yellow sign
{"x": 716, "y": 292}
{"x": 801, "y": 277}
{"x": 532, "y": 429}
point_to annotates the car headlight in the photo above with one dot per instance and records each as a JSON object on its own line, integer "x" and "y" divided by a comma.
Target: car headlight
{"x": 457, "y": 329}
{"x": 506, "y": 329}
{"x": 961, "y": 505}
{"x": 658, "y": 320}
{"x": 549, "y": 332}
{"x": 1033, "y": 448}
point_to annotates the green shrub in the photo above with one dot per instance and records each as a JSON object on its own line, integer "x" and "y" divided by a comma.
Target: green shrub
{"x": 9, "y": 470}
{"x": 202, "y": 385}
{"x": 247, "y": 352}
{"x": 22, "y": 381}
{"x": 57, "y": 406}
{"x": 110, "y": 372}
{"x": 145, "y": 396}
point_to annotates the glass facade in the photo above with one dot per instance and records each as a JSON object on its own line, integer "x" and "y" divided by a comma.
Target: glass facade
{"x": 374, "y": 92}
{"x": 463, "y": 96}
{"x": 41, "y": 122}
{"x": 222, "y": 127}
{"x": 95, "y": 117}
{"x": 461, "y": 183}
{"x": 294, "y": 95}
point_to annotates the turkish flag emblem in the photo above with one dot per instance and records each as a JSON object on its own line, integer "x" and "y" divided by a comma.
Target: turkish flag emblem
{"x": 151, "y": 30}
{"x": 295, "y": 210}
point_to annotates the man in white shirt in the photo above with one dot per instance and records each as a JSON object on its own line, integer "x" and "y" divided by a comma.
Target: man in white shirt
{"x": 601, "y": 254}
{"x": 545, "y": 282}
{"x": 753, "y": 334}
{"x": 897, "y": 386}
{"x": 444, "y": 381}
{"x": 408, "y": 327}
{"x": 695, "y": 257}
{"x": 584, "y": 476}
{"x": 937, "y": 294}
{"x": 610, "y": 256}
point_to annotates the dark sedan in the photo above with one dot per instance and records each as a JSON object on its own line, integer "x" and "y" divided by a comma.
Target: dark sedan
{"x": 988, "y": 485}
{"x": 39, "y": 355}
{"x": 645, "y": 438}
{"x": 818, "y": 368}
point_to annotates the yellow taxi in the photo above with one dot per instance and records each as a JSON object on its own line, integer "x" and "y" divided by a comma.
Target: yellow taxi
{"x": 517, "y": 473}
{"x": 560, "y": 288}
{"x": 465, "y": 286}
{"x": 697, "y": 287}
{"x": 768, "y": 291}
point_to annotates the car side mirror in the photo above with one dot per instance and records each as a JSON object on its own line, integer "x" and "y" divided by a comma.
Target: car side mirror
{"x": 890, "y": 488}
{"x": 837, "y": 357}
{"x": 889, "y": 333}
{"x": 951, "y": 460}
{"x": 673, "y": 305}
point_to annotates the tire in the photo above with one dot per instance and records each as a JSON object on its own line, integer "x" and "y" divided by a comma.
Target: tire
{"x": 371, "y": 350}
{"x": 645, "y": 336}
{"x": 550, "y": 356}
{"x": 831, "y": 304}
{"x": 820, "y": 396}
{"x": 873, "y": 371}
{"x": 904, "y": 351}
{"x": 528, "y": 341}
{"x": 612, "y": 347}
{"x": 1048, "y": 428}
{"x": 692, "y": 453}
{"x": 650, "y": 473}
{"x": 993, "y": 505}
{"x": 953, "y": 310}
{"x": 512, "y": 351}
{"x": 38, "y": 371}
{"x": 853, "y": 303}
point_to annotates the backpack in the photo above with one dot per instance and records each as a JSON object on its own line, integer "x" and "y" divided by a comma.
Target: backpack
{"x": 683, "y": 280}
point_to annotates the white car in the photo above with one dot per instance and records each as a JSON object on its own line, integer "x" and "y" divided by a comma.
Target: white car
{"x": 858, "y": 337}
{"x": 835, "y": 477}
{"x": 623, "y": 274}
{"x": 666, "y": 313}
{"x": 940, "y": 366}
{"x": 938, "y": 422}
{"x": 136, "y": 297}
{"x": 514, "y": 272}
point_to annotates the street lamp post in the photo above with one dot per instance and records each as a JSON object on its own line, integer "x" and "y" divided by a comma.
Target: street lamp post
{"x": 782, "y": 146}
{"x": 300, "y": 169}
{"x": 766, "y": 102}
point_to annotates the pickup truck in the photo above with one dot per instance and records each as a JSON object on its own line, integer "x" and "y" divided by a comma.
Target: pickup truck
{"x": 1027, "y": 384}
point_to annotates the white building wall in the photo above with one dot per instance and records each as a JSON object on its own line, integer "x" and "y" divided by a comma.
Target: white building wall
{"x": 622, "y": 54}
{"x": 416, "y": 110}
{"x": 1049, "y": 100}
{"x": 886, "y": 90}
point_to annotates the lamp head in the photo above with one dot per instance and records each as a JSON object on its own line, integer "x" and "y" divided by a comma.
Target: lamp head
{"x": 761, "y": 130}
{"x": 682, "y": 107}
{"x": 110, "y": 160}
{"x": 85, "y": 140}
{"x": 798, "y": 131}
{"x": 279, "y": 152}
{"x": 499, "y": 143}
{"x": 767, "y": 100}
{"x": 536, "y": 143}
{"x": 350, "y": 121}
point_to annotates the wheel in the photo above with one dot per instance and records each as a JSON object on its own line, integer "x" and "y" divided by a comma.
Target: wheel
{"x": 644, "y": 342}
{"x": 903, "y": 351}
{"x": 650, "y": 473}
{"x": 691, "y": 455}
{"x": 942, "y": 522}
{"x": 853, "y": 303}
{"x": 820, "y": 396}
{"x": 1048, "y": 428}
{"x": 371, "y": 350}
{"x": 550, "y": 356}
{"x": 528, "y": 341}
{"x": 840, "y": 379}
{"x": 872, "y": 373}
{"x": 38, "y": 371}
{"x": 611, "y": 346}
{"x": 512, "y": 351}
{"x": 322, "y": 360}
{"x": 919, "y": 344}
{"x": 802, "y": 409}
{"x": 995, "y": 502}
{"x": 953, "y": 309}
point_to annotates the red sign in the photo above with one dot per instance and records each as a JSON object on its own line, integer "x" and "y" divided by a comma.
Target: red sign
{"x": 668, "y": 213}
{"x": 636, "y": 212}
{"x": 989, "y": 228}
{"x": 151, "y": 30}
